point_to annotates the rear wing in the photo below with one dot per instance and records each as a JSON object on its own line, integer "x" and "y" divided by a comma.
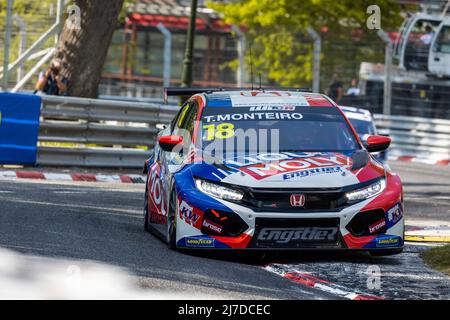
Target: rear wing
{"x": 178, "y": 92}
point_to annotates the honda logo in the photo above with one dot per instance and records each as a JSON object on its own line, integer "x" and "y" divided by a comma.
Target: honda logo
{"x": 297, "y": 200}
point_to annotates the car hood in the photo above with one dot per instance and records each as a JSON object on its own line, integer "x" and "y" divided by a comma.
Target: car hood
{"x": 291, "y": 169}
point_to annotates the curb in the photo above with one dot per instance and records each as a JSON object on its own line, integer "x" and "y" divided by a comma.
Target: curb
{"x": 440, "y": 162}
{"x": 87, "y": 177}
{"x": 309, "y": 280}
{"x": 428, "y": 234}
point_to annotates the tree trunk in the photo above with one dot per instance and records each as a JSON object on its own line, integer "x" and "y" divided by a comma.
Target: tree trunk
{"x": 83, "y": 50}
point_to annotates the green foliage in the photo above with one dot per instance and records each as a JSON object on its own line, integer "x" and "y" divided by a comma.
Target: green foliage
{"x": 277, "y": 31}
{"x": 38, "y": 16}
{"x": 439, "y": 258}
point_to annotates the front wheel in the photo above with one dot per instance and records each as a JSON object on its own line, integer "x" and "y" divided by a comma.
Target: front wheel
{"x": 172, "y": 221}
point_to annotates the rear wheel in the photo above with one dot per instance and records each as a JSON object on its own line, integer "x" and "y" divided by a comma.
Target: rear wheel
{"x": 385, "y": 252}
{"x": 172, "y": 221}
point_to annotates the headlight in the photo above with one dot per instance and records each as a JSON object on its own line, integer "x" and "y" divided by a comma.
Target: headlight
{"x": 219, "y": 191}
{"x": 367, "y": 192}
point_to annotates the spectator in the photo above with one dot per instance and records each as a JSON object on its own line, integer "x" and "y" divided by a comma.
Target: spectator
{"x": 51, "y": 81}
{"x": 335, "y": 91}
{"x": 427, "y": 38}
{"x": 354, "y": 90}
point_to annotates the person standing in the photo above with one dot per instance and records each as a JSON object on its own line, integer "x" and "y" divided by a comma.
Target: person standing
{"x": 51, "y": 81}
{"x": 335, "y": 91}
{"x": 427, "y": 38}
{"x": 353, "y": 90}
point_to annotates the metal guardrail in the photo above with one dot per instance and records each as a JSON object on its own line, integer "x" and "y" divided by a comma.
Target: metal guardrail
{"x": 113, "y": 133}
{"x": 98, "y": 133}
{"x": 414, "y": 136}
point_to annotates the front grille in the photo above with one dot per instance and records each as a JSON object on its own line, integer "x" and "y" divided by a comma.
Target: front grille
{"x": 277, "y": 200}
{"x": 297, "y": 234}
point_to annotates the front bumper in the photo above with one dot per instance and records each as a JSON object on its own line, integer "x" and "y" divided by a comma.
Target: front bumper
{"x": 291, "y": 230}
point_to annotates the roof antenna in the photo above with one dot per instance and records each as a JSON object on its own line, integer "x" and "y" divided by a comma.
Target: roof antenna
{"x": 251, "y": 66}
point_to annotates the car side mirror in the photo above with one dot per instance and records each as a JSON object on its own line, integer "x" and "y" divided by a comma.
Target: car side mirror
{"x": 376, "y": 143}
{"x": 168, "y": 143}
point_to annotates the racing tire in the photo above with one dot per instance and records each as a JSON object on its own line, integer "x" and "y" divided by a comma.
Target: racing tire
{"x": 386, "y": 252}
{"x": 146, "y": 225}
{"x": 172, "y": 221}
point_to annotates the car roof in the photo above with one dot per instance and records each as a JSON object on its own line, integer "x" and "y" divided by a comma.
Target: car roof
{"x": 357, "y": 113}
{"x": 243, "y": 98}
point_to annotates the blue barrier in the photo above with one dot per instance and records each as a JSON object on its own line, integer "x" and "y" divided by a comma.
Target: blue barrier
{"x": 19, "y": 128}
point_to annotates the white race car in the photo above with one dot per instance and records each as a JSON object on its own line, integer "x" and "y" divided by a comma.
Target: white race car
{"x": 318, "y": 188}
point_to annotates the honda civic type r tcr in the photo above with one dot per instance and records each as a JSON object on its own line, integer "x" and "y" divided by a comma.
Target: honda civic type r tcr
{"x": 270, "y": 170}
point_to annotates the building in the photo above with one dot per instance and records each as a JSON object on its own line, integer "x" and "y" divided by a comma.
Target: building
{"x": 134, "y": 65}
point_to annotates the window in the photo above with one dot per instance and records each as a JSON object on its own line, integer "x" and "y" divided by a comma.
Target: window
{"x": 443, "y": 41}
{"x": 186, "y": 120}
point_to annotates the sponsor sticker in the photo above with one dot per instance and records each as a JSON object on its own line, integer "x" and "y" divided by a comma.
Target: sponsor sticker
{"x": 292, "y": 168}
{"x": 395, "y": 214}
{"x": 274, "y": 108}
{"x": 158, "y": 219}
{"x": 311, "y": 172}
{"x": 388, "y": 241}
{"x": 251, "y": 99}
{"x": 253, "y": 116}
{"x": 212, "y": 226}
{"x": 307, "y": 234}
{"x": 199, "y": 242}
{"x": 377, "y": 226}
{"x": 187, "y": 213}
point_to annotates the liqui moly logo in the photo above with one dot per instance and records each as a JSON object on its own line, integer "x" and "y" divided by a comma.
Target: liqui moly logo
{"x": 268, "y": 169}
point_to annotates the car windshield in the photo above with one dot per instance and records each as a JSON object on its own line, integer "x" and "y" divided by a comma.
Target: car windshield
{"x": 280, "y": 128}
{"x": 362, "y": 127}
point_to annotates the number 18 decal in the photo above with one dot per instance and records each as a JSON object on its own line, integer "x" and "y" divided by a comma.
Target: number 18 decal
{"x": 221, "y": 131}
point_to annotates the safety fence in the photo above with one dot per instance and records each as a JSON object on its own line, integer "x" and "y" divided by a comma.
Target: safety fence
{"x": 112, "y": 133}
{"x": 419, "y": 137}
{"x": 98, "y": 133}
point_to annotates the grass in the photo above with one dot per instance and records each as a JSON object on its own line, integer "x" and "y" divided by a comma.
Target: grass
{"x": 439, "y": 258}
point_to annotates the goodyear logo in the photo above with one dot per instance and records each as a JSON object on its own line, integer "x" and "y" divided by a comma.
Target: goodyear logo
{"x": 388, "y": 242}
{"x": 196, "y": 242}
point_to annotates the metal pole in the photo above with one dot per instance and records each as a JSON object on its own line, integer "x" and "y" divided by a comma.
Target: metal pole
{"x": 316, "y": 63}
{"x": 8, "y": 27}
{"x": 167, "y": 53}
{"x": 59, "y": 14}
{"x": 187, "y": 68}
{"x": 23, "y": 42}
{"x": 241, "y": 54}
{"x": 387, "y": 98}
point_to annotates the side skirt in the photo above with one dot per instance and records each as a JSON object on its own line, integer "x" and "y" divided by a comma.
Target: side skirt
{"x": 159, "y": 231}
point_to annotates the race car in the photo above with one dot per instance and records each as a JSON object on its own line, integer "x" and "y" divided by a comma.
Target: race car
{"x": 270, "y": 170}
{"x": 364, "y": 124}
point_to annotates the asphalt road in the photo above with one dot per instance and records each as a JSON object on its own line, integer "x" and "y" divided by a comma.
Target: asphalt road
{"x": 103, "y": 222}
{"x": 426, "y": 188}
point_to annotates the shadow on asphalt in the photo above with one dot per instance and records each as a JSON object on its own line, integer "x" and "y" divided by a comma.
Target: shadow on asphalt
{"x": 262, "y": 258}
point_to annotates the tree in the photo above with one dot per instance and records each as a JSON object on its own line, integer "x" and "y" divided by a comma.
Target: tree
{"x": 281, "y": 47}
{"x": 83, "y": 50}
